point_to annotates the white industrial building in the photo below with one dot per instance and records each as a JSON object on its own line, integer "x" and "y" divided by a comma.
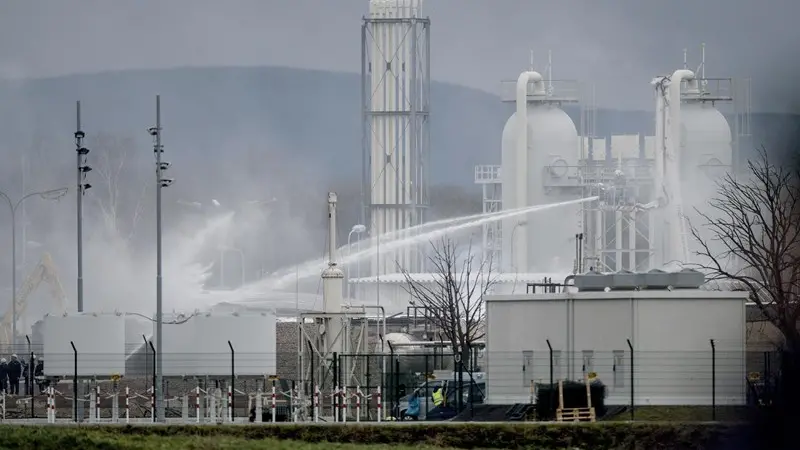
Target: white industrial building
{"x": 670, "y": 331}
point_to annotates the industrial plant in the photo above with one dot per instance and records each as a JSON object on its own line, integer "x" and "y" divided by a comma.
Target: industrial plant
{"x": 585, "y": 242}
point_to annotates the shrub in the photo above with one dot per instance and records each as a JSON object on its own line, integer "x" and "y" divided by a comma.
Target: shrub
{"x": 466, "y": 436}
{"x": 574, "y": 397}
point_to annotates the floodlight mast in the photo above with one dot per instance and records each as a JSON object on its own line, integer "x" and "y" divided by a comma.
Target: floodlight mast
{"x": 83, "y": 186}
{"x": 161, "y": 182}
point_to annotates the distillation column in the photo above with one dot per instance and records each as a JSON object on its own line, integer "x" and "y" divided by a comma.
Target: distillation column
{"x": 395, "y": 72}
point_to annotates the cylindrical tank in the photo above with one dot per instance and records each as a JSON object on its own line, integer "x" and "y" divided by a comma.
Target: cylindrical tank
{"x": 553, "y": 145}
{"x": 706, "y": 154}
{"x": 412, "y": 358}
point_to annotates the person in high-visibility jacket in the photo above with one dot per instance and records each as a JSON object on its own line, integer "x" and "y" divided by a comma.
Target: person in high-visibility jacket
{"x": 438, "y": 397}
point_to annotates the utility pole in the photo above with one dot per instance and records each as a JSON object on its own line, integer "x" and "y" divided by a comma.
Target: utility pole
{"x": 83, "y": 186}
{"x": 161, "y": 182}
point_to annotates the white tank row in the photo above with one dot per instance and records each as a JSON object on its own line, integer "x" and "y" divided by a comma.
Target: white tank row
{"x": 108, "y": 344}
{"x": 547, "y": 148}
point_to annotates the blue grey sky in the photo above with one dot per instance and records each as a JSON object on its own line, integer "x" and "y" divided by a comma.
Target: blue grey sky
{"x": 619, "y": 44}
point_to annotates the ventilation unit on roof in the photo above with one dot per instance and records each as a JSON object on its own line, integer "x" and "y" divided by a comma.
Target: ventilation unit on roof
{"x": 627, "y": 281}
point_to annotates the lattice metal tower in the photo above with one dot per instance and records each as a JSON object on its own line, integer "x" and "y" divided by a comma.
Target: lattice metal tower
{"x": 395, "y": 83}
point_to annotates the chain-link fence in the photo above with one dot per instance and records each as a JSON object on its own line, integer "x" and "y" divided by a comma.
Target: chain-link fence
{"x": 203, "y": 387}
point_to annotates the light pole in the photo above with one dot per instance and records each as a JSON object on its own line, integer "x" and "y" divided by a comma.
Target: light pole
{"x": 357, "y": 229}
{"x": 53, "y": 194}
{"x": 161, "y": 182}
{"x": 83, "y": 169}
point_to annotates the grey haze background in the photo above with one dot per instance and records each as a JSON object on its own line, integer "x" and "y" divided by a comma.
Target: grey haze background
{"x": 621, "y": 44}
{"x": 240, "y": 127}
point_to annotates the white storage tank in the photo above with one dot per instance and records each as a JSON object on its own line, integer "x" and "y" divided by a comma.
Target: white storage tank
{"x": 705, "y": 157}
{"x": 98, "y": 338}
{"x": 706, "y": 146}
{"x": 412, "y": 357}
{"x": 199, "y": 345}
{"x": 539, "y": 241}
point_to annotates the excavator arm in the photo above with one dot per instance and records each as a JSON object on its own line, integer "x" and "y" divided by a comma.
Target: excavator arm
{"x": 44, "y": 272}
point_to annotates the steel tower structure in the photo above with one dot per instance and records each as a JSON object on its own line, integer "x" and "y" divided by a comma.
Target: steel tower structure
{"x": 395, "y": 83}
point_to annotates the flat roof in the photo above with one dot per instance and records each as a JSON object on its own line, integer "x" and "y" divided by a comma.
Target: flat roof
{"x": 688, "y": 294}
{"x": 496, "y": 277}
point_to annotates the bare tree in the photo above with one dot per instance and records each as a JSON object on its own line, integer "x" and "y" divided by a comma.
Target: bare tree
{"x": 111, "y": 165}
{"x": 751, "y": 237}
{"x": 453, "y": 300}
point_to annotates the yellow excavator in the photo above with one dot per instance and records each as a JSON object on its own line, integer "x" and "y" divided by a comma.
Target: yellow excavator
{"x": 45, "y": 271}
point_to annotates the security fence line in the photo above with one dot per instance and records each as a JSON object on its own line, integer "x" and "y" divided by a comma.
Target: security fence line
{"x": 361, "y": 392}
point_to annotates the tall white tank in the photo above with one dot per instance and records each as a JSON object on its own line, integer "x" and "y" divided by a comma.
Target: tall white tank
{"x": 539, "y": 242}
{"x": 706, "y": 153}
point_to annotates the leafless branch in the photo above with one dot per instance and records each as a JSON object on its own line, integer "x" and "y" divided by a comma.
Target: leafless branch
{"x": 755, "y": 223}
{"x": 453, "y": 299}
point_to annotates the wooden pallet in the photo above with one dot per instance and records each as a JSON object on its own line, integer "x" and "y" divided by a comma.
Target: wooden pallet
{"x": 586, "y": 414}
{"x": 576, "y": 415}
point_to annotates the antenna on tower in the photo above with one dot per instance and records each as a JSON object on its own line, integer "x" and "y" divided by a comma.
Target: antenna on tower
{"x": 703, "y": 60}
{"x": 531, "y": 56}
{"x": 701, "y": 70}
{"x": 685, "y": 62}
{"x": 550, "y": 72}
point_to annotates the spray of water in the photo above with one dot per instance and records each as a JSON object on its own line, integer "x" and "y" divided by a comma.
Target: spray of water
{"x": 185, "y": 278}
{"x": 290, "y": 272}
{"x": 415, "y": 230}
{"x": 314, "y": 268}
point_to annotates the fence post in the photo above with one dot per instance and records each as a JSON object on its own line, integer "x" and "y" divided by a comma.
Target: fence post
{"x": 388, "y": 381}
{"x": 29, "y": 378}
{"x": 335, "y": 369}
{"x": 552, "y": 389}
{"x": 154, "y": 381}
{"x": 633, "y": 402}
{"x": 233, "y": 380}
{"x": 274, "y": 403}
{"x": 294, "y": 401}
{"x": 74, "y": 380}
{"x": 713, "y": 380}
{"x": 427, "y": 379}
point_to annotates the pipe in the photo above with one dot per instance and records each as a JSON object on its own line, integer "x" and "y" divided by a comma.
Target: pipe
{"x": 673, "y": 162}
{"x": 521, "y": 161}
{"x": 332, "y": 230}
{"x": 431, "y": 344}
{"x": 381, "y": 326}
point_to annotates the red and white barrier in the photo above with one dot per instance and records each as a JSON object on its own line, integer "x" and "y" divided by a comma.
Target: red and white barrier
{"x": 153, "y": 403}
{"x": 380, "y": 405}
{"x": 230, "y": 403}
{"x": 274, "y": 405}
{"x": 357, "y": 395}
{"x": 127, "y": 405}
{"x": 316, "y": 403}
{"x": 97, "y": 402}
{"x": 335, "y": 404}
{"x": 197, "y": 404}
{"x": 51, "y": 405}
{"x": 297, "y": 400}
{"x": 343, "y": 402}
